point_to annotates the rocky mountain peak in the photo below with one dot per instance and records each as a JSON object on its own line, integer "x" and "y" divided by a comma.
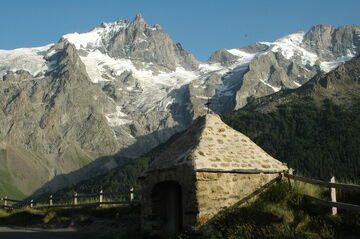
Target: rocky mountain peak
{"x": 143, "y": 43}
{"x": 136, "y": 41}
{"x": 223, "y": 57}
{"x": 330, "y": 42}
{"x": 139, "y": 18}
{"x": 139, "y": 23}
{"x": 321, "y": 29}
{"x": 107, "y": 24}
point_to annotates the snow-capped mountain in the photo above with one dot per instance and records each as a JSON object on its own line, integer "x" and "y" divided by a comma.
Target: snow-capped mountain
{"x": 124, "y": 87}
{"x": 266, "y": 67}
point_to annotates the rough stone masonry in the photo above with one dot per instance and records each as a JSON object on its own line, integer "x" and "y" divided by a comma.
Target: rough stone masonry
{"x": 206, "y": 170}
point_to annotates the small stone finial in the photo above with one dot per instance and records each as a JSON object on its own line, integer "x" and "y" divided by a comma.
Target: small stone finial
{"x": 208, "y": 103}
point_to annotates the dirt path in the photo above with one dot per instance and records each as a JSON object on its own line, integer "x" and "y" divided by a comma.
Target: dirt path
{"x": 36, "y": 233}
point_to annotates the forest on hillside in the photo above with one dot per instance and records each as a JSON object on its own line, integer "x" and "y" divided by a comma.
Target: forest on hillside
{"x": 317, "y": 140}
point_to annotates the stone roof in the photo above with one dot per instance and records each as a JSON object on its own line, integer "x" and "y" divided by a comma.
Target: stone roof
{"x": 210, "y": 144}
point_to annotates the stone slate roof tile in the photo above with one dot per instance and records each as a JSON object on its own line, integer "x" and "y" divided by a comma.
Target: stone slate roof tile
{"x": 210, "y": 144}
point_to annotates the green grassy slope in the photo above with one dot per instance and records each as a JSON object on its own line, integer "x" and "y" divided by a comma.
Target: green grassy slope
{"x": 281, "y": 213}
{"x": 6, "y": 186}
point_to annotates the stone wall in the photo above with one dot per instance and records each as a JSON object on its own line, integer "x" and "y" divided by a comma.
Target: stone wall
{"x": 185, "y": 177}
{"x": 218, "y": 191}
{"x": 203, "y": 194}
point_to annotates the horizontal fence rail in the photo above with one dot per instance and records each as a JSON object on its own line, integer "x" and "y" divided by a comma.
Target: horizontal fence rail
{"x": 345, "y": 206}
{"x": 342, "y": 186}
{"x": 99, "y": 199}
{"x": 333, "y": 186}
{"x": 10, "y": 200}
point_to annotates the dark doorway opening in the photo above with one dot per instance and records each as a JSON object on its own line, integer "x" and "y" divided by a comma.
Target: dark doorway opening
{"x": 166, "y": 200}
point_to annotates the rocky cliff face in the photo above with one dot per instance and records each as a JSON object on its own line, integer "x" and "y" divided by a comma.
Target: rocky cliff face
{"x": 55, "y": 116}
{"x": 143, "y": 43}
{"x": 330, "y": 43}
{"x": 123, "y": 88}
{"x": 341, "y": 86}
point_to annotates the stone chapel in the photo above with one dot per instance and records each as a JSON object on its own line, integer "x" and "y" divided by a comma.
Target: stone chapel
{"x": 209, "y": 168}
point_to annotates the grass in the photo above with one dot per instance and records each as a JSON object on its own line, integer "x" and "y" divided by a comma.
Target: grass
{"x": 3, "y": 213}
{"x": 281, "y": 213}
{"x": 6, "y": 187}
{"x": 101, "y": 222}
{"x": 309, "y": 189}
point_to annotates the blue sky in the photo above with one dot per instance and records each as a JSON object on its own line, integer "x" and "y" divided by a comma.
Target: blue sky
{"x": 201, "y": 26}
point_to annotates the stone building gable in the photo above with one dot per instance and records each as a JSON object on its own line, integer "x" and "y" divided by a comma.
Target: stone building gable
{"x": 178, "y": 152}
{"x": 210, "y": 144}
{"x": 223, "y": 148}
{"x": 209, "y": 168}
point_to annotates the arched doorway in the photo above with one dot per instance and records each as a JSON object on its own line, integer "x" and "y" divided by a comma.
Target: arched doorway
{"x": 166, "y": 202}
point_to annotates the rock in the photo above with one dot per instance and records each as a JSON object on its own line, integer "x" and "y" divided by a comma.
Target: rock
{"x": 141, "y": 42}
{"x": 330, "y": 42}
{"x": 223, "y": 57}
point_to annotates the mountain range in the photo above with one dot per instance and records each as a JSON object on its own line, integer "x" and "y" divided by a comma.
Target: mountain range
{"x": 313, "y": 128}
{"x": 93, "y": 101}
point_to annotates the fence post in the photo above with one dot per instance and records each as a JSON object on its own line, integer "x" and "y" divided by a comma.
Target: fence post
{"x": 75, "y": 198}
{"x": 333, "y": 196}
{"x": 101, "y": 197}
{"x": 51, "y": 200}
{"x": 5, "y": 201}
{"x": 291, "y": 172}
{"x": 31, "y": 203}
{"x": 131, "y": 194}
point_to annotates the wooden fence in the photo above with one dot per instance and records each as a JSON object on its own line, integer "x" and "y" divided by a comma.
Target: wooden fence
{"x": 99, "y": 198}
{"x": 333, "y": 186}
{"x": 96, "y": 199}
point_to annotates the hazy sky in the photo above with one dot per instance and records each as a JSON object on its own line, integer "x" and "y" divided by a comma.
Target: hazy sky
{"x": 201, "y": 26}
